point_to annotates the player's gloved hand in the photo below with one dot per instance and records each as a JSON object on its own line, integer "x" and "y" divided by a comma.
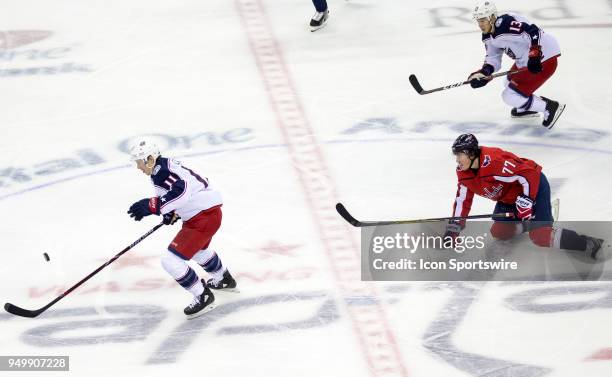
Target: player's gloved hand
{"x": 480, "y": 78}
{"x": 453, "y": 229}
{"x": 524, "y": 207}
{"x": 534, "y": 64}
{"x": 144, "y": 207}
{"x": 170, "y": 218}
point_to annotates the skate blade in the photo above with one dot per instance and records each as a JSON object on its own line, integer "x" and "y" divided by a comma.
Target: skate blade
{"x": 557, "y": 115}
{"x": 530, "y": 116}
{"x": 201, "y": 312}
{"x": 229, "y": 290}
{"x": 315, "y": 28}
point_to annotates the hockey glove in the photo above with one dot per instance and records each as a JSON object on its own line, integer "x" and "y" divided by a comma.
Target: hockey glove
{"x": 452, "y": 232}
{"x": 480, "y": 78}
{"x": 524, "y": 207}
{"x": 534, "y": 64}
{"x": 144, "y": 207}
{"x": 170, "y": 218}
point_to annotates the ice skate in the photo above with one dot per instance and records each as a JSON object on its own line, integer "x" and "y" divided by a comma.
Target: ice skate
{"x": 201, "y": 304}
{"x": 319, "y": 20}
{"x": 553, "y": 111}
{"x": 594, "y": 248}
{"x": 226, "y": 284}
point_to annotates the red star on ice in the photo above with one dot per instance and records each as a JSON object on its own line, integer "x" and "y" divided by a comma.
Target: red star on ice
{"x": 132, "y": 261}
{"x": 273, "y": 247}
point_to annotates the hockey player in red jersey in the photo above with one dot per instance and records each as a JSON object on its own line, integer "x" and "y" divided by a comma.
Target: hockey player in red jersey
{"x": 519, "y": 187}
{"x": 182, "y": 193}
{"x": 534, "y": 52}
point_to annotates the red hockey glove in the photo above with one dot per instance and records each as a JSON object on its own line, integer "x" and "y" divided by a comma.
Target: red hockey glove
{"x": 534, "y": 64}
{"x": 524, "y": 207}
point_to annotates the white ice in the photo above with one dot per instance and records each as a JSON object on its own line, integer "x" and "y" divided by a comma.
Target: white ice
{"x": 285, "y": 122}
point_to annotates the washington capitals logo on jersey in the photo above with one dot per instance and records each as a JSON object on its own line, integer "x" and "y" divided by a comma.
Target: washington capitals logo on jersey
{"x": 156, "y": 169}
{"x": 486, "y": 161}
{"x": 494, "y": 192}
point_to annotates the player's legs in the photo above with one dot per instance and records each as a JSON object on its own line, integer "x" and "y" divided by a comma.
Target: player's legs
{"x": 210, "y": 262}
{"x": 196, "y": 233}
{"x": 543, "y": 234}
{"x": 540, "y": 227}
{"x": 521, "y": 86}
{"x": 180, "y": 271}
{"x": 320, "y": 17}
{"x": 505, "y": 229}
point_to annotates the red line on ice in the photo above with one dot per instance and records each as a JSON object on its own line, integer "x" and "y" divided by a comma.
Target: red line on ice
{"x": 369, "y": 321}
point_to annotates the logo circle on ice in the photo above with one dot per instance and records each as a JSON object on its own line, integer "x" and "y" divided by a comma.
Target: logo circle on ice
{"x": 14, "y": 38}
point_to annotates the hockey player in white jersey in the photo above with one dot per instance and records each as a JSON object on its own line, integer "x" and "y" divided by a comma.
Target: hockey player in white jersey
{"x": 181, "y": 193}
{"x": 534, "y": 52}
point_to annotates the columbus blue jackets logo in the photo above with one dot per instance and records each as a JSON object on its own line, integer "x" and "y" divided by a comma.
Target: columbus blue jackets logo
{"x": 486, "y": 162}
{"x": 156, "y": 169}
{"x": 499, "y": 22}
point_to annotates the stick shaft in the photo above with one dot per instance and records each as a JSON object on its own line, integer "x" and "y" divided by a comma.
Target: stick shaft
{"x": 417, "y": 86}
{"x": 13, "y": 309}
{"x": 350, "y": 219}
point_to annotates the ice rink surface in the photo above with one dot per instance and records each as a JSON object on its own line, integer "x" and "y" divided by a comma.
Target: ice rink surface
{"x": 285, "y": 123}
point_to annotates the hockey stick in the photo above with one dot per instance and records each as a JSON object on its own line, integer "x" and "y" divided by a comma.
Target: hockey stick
{"x": 16, "y": 310}
{"x": 354, "y": 222}
{"x": 417, "y": 86}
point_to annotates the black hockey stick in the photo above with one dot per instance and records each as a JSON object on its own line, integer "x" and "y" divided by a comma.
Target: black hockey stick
{"x": 354, "y": 222}
{"x": 417, "y": 86}
{"x": 16, "y": 310}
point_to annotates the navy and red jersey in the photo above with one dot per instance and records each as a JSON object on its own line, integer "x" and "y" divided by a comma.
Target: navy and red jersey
{"x": 182, "y": 190}
{"x": 514, "y": 35}
{"x": 501, "y": 176}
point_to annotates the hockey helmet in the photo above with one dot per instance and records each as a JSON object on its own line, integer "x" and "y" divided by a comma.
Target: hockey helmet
{"x": 484, "y": 9}
{"x": 142, "y": 148}
{"x": 466, "y": 143}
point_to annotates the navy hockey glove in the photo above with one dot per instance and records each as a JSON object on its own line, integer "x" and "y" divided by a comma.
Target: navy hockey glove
{"x": 534, "y": 64}
{"x": 144, "y": 207}
{"x": 170, "y": 218}
{"x": 524, "y": 207}
{"x": 480, "y": 78}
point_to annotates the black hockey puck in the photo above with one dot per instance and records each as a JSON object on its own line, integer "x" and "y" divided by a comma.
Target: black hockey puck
{"x": 46, "y": 257}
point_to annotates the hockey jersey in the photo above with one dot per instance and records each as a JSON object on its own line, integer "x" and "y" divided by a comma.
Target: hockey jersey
{"x": 514, "y": 35}
{"x": 181, "y": 190}
{"x": 501, "y": 176}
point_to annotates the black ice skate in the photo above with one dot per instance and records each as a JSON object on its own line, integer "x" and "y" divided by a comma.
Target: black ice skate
{"x": 201, "y": 304}
{"x": 319, "y": 20}
{"x": 553, "y": 111}
{"x": 593, "y": 248}
{"x": 227, "y": 283}
{"x": 514, "y": 113}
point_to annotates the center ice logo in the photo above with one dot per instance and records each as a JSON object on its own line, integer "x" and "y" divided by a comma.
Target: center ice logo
{"x": 15, "y": 38}
{"x": 17, "y": 61}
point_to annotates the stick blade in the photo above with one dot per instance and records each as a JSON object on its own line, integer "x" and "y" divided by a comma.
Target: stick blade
{"x": 346, "y": 215}
{"x": 16, "y": 310}
{"x": 415, "y": 84}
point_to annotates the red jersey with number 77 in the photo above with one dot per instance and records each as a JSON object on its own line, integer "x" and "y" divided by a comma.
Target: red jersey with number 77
{"x": 501, "y": 176}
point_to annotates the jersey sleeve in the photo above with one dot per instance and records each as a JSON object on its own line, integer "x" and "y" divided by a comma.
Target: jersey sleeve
{"x": 463, "y": 202}
{"x": 493, "y": 55}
